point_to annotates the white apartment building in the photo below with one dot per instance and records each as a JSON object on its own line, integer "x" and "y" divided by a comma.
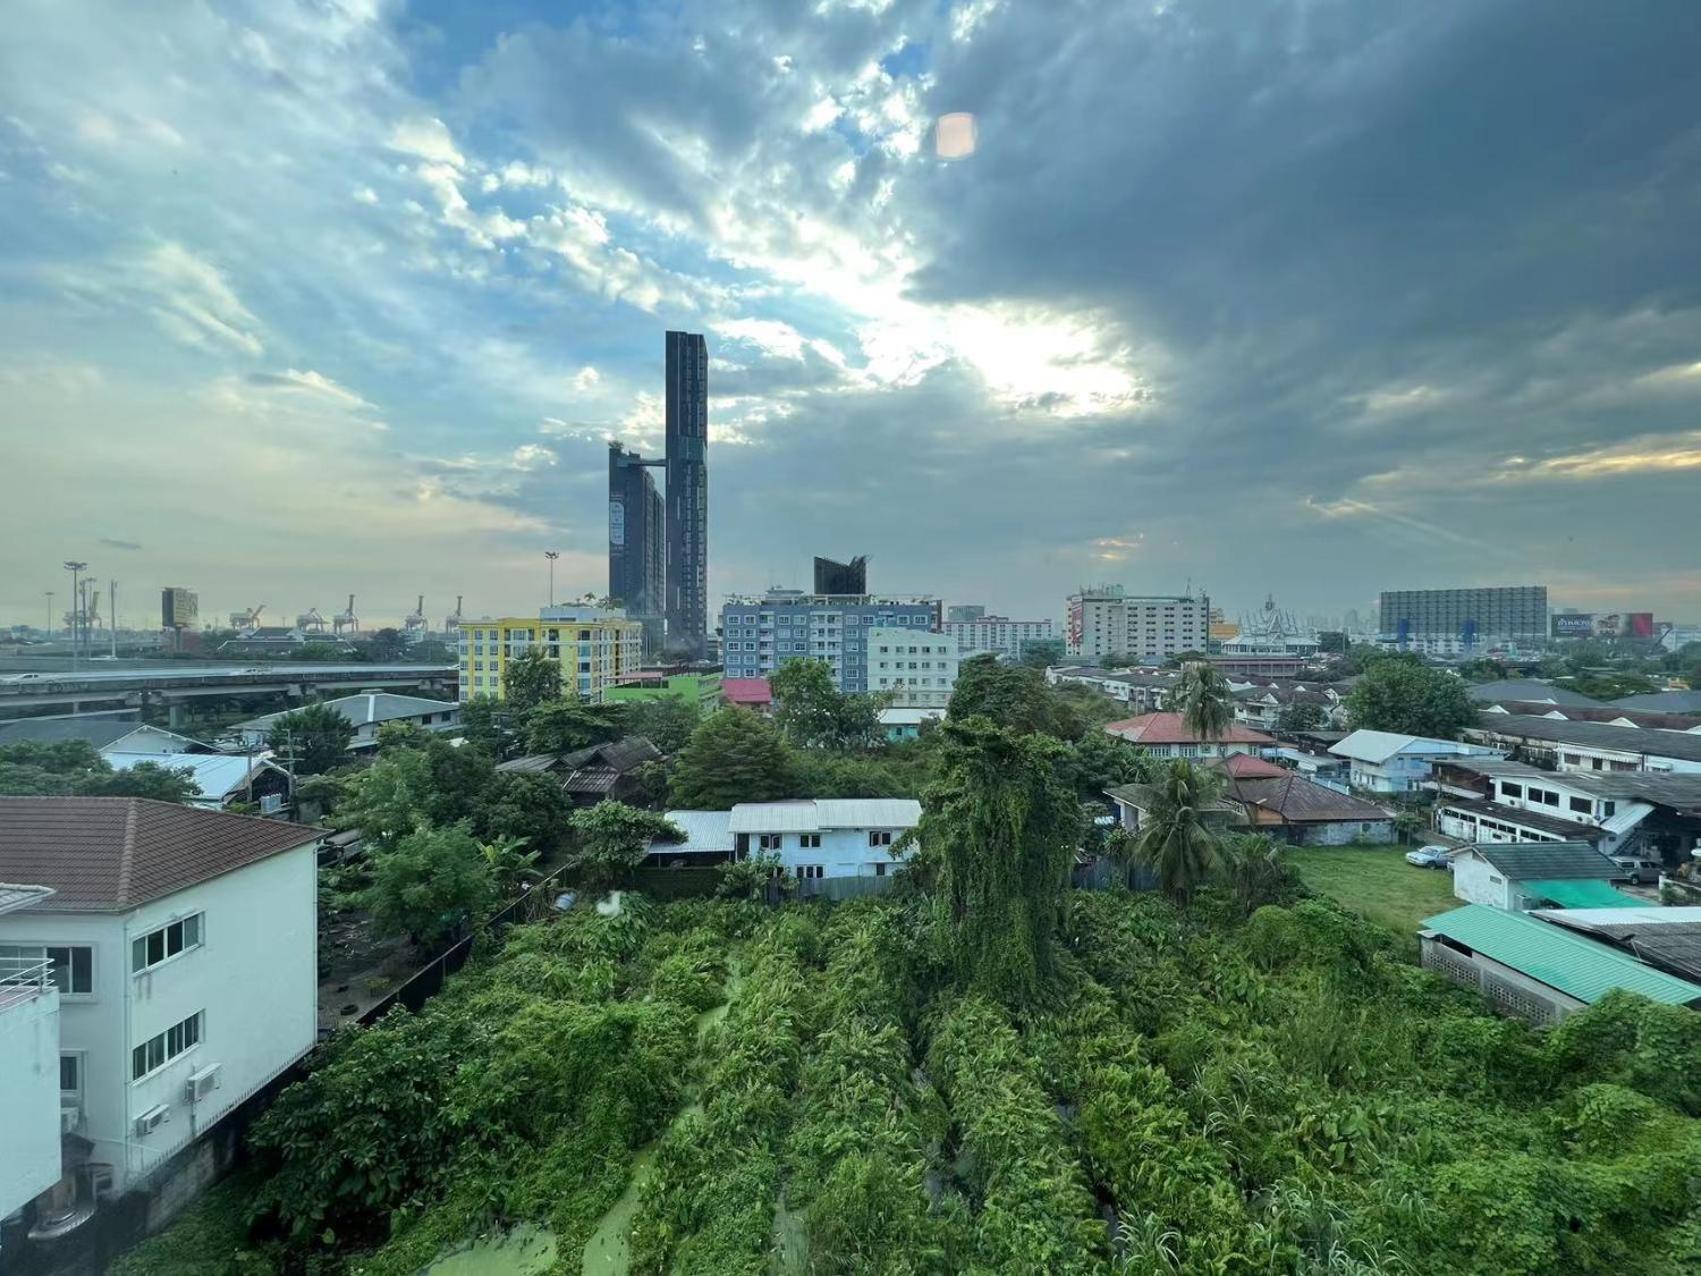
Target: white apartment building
{"x": 916, "y": 668}
{"x": 997, "y": 633}
{"x": 1107, "y": 621}
{"x": 29, "y": 1068}
{"x": 813, "y": 839}
{"x": 183, "y": 945}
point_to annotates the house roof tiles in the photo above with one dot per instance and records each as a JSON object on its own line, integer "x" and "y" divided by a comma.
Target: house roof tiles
{"x": 1172, "y": 728}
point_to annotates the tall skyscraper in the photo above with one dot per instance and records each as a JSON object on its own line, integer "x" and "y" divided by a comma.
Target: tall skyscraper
{"x": 637, "y": 551}
{"x": 687, "y": 492}
{"x": 833, "y": 577}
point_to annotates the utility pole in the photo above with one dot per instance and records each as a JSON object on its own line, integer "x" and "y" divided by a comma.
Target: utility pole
{"x": 50, "y": 629}
{"x": 112, "y": 615}
{"x": 551, "y": 555}
{"x": 76, "y": 569}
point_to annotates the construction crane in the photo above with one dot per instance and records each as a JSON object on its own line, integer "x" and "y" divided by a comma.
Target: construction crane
{"x": 344, "y": 621}
{"x": 452, "y": 623}
{"x": 246, "y": 621}
{"x": 415, "y": 621}
{"x": 310, "y": 621}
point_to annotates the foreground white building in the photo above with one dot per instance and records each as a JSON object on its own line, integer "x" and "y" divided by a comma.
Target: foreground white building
{"x": 183, "y": 945}
{"x": 29, "y": 1067}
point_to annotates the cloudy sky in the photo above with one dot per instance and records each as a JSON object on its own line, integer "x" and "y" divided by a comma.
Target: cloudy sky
{"x": 298, "y": 299}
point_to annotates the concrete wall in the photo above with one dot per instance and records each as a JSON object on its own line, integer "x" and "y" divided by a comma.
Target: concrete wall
{"x": 29, "y": 1094}
{"x": 1344, "y": 832}
{"x": 842, "y": 853}
{"x": 1476, "y": 881}
{"x": 254, "y": 978}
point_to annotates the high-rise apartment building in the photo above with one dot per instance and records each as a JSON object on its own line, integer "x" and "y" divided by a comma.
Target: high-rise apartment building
{"x": 916, "y": 668}
{"x": 832, "y": 577}
{"x": 687, "y": 493}
{"x": 758, "y": 634}
{"x": 1463, "y": 618}
{"x": 637, "y": 548}
{"x": 593, "y": 645}
{"x": 1107, "y": 621}
{"x": 995, "y": 633}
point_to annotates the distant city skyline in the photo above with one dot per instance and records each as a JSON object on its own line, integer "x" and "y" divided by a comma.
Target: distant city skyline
{"x": 305, "y": 299}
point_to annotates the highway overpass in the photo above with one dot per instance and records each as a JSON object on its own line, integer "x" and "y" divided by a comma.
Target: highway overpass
{"x": 171, "y": 684}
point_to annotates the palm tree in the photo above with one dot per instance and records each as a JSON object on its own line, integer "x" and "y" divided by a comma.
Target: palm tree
{"x": 1175, "y": 841}
{"x": 1207, "y": 704}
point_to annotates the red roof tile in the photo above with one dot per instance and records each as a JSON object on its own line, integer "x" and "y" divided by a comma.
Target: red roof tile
{"x": 111, "y": 854}
{"x": 1249, "y": 766}
{"x": 1170, "y": 728}
{"x": 747, "y": 691}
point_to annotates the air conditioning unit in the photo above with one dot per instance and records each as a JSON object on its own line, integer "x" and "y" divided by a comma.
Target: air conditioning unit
{"x": 152, "y": 1119}
{"x": 70, "y": 1117}
{"x": 202, "y": 1083}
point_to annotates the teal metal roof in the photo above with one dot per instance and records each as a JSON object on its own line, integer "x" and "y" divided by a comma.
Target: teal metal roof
{"x": 1580, "y": 893}
{"x": 1579, "y": 967}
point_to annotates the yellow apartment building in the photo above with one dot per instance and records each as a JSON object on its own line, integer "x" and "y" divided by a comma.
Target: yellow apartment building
{"x": 593, "y": 645}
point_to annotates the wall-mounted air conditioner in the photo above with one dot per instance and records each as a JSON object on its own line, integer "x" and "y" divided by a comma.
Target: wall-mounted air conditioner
{"x": 70, "y": 1117}
{"x": 152, "y": 1119}
{"x": 202, "y": 1082}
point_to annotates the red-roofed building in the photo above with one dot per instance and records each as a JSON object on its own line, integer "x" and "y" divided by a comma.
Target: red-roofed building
{"x": 1249, "y": 766}
{"x": 748, "y": 693}
{"x": 1167, "y": 735}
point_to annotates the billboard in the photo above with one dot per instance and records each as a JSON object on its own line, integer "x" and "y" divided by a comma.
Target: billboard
{"x": 1608, "y": 626}
{"x": 178, "y": 608}
{"x": 1577, "y": 624}
{"x": 1639, "y": 624}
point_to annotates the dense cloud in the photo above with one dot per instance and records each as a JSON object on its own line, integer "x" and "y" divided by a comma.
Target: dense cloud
{"x": 1318, "y": 297}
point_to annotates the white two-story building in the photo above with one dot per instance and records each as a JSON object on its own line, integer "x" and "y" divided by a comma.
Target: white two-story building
{"x": 183, "y": 947}
{"x": 1389, "y": 762}
{"x": 813, "y": 839}
{"x": 29, "y": 1069}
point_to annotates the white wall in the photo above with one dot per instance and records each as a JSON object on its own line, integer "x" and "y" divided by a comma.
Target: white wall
{"x": 1476, "y": 881}
{"x": 254, "y": 978}
{"x": 842, "y": 853}
{"x": 892, "y": 650}
{"x": 29, "y": 1095}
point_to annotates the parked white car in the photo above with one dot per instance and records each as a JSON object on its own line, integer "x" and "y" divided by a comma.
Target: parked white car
{"x": 1432, "y": 856}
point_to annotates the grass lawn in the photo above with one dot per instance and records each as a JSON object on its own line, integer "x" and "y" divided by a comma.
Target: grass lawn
{"x": 1377, "y": 882}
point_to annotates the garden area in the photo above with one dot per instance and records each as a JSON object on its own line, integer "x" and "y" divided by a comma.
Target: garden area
{"x": 1376, "y": 882}
{"x": 713, "y": 1086}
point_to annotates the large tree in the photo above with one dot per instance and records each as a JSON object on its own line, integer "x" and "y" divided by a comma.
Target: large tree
{"x": 666, "y": 721}
{"x": 1177, "y": 838}
{"x": 524, "y": 806}
{"x": 157, "y": 780}
{"x": 431, "y": 885}
{"x": 999, "y": 830}
{"x": 813, "y": 713}
{"x": 1042, "y": 653}
{"x": 1300, "y": 715}
{"x": 612, "y": 838}
{"x": 733, "y": 756}
{"x": 1412, "y": 699}
{"x": 530, "y": 680}
{"x": 74, "y": 767}
{"x": 481, "y": 725}
{"x": 1011, "y": 696}
{"x": 311, "y": 740}
{"x": 567, "y": 725}
{"x": 406, "y": 788}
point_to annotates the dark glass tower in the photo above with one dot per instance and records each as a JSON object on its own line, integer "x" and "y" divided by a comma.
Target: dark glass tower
{"x": 687, "y": 493}
{"x": 636, "y": 542}
{"x": 832, "y": 577}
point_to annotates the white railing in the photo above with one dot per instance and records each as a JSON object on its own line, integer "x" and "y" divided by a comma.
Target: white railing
{"x": 24, "y": 977}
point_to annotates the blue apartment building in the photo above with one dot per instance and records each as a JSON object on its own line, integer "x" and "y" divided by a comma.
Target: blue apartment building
{"x": 758, "y": 634}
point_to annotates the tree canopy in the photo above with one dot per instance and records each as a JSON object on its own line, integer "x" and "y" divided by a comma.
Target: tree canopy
{"x": 1205, "y": 701}
{"x": 666, "y": 721}
{"x": 733, "y": 756}
{"x": 567, "y": 725}
{"x": 311, "y": 740}
{"x": 612, "y": 838}
{"x": 999, "y": 830}
{"x": 812, "y": 713}
{"x": 75, "y": 768}
{"x": 1011, "y": 696}
{"x": 430, "y": 885}
{"x": 530, "y": 680}
{"x": 1407, "y": 697}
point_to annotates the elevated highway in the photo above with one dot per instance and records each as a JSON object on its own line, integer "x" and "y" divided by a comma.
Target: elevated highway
{"x": 172, "y": 683}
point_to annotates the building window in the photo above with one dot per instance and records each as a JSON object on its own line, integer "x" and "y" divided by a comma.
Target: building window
{"x": 769, "y": 841}
{"x": 73, "y": 964}
{"x": 70, "y": 1074}
{"x": 879, "y": 868}
{"x": 1582, "y": 806}
{"x": 809, "y": 841}
{"x": 1511, "y": 790}
{"x": 158, "y": 1051}
{"x": 880, "y": 837}
{"x": 811, "y": 870}
{"x": 147, "y": 951}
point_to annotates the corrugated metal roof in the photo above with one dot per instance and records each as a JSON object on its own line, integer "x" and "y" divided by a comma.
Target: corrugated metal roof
{"x": 1379, "y": 746}
{"x": 1672, "y": 943}
{"x": 1581, "y": 893}
{"x": 216, "y": 775}
{"x": 1579, "y": 967}
{"x": 704, "y": 831}
{"x": 374, "y": 706}
{"x": 1547, "y": 861}
{"x": 825, "y": 813}
{"x": 1646, "y": 741}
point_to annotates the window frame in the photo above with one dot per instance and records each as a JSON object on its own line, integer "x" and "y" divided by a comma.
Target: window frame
{"x": 142, "y": 1052}
{"x": 198, "y": 917}
{"x": 45, "y": 947}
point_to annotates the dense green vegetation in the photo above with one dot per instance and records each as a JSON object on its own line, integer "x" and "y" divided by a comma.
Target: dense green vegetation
{"x": 1193, "y": 1094}
{"x": 73, "y": 767}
